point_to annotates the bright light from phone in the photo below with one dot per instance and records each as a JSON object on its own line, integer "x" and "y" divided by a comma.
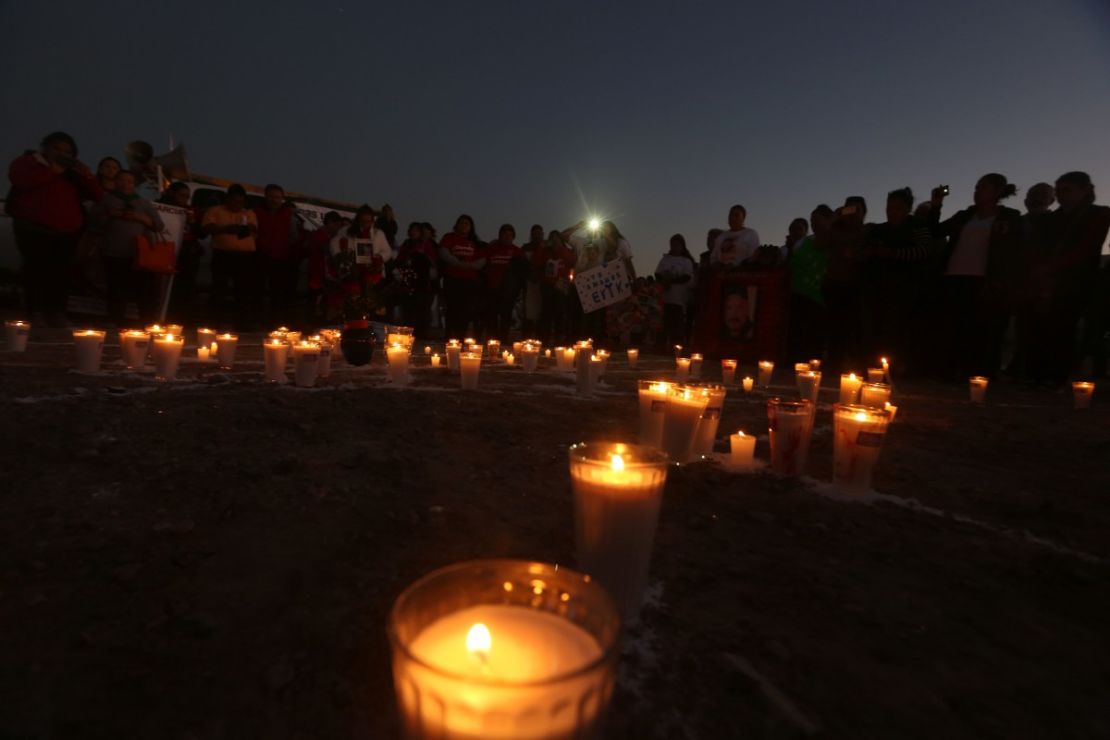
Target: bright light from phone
{"x": 594, "y": 224}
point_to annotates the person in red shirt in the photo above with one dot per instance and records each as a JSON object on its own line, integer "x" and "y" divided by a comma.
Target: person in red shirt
{"x": 461, "y": 259}
{"x": 48, "y": 187}
{"x": 277, "y": 250}
{"x": 316, "y": 247}
{"x": 555, "y": 261}
{"x": 506, "y": 271}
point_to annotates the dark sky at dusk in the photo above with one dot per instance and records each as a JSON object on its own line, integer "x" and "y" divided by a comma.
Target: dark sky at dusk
{"x": 659, "y": 115}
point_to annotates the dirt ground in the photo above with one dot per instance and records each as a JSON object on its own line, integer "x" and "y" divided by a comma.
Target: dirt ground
{"x": 215, "y": 558}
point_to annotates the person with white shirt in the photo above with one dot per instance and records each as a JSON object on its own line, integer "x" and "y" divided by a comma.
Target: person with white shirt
{"x": 738, "y": 244}
{"x": 676, "y": 273}
{"x": 986, "y": 244}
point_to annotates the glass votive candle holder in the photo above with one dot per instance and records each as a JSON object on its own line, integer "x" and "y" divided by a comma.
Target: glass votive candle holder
{"x": 874, "y": 395}
{"x": 225, "y": 350}
{"x": 728, "y": 371}
{"x": 766, "y": 370}
{"x": 790, "y": 426}
{"x": 16, "y": 334}
{"x": 1082, "y": 392}
{"x": 653, "y": 404}
{"x": 133, "y": 347}
{"x": 682, "y": 368}
{"x": 470, "y": 364}
{"x": 850, "y": 384}
{"x": 617, "y": 492}
{"x": 89, "y": 346}
{"x": 710, "y": 418}
{"x": 681, "y": 417}
{"x": 809, "y": 384}
{"x": 977, "y": 388}
{"x": 748, "y": 384}
{"x": 500, "y": 649}
{"x": 633, "y": 358}
{"x": 166, "y": 353}
{"x": 858, "y": 434}
{"x": 402, "y": 335}
{"x": 876, "y": 375}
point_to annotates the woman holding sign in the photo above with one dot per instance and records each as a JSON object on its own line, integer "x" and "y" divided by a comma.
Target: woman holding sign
{"x": 601, "y": 246}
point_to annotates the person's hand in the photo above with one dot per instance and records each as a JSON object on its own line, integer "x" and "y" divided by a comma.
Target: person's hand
{"x": 938, "y": 195}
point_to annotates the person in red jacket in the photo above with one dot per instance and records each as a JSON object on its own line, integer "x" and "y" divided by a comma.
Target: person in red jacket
{"x": 48, "y": 187}
{"x": 506, "y": 271}
{"x": 461, "y": 259}
{"x": 278, "y": 254}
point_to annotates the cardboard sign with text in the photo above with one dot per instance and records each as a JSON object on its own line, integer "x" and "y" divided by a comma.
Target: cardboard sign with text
{"x": 603, "y": 286}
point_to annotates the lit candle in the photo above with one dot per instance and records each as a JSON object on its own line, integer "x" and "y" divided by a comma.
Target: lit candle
{"x": 470, "y": 364}
{"x": 653, "y": 403}
{"x": 695, "y": 365}
{"x": 682, "y": 368}
{"x": 133, "y": 346}
{"x": 809, "y": 384}
{"x": 547, "y": 353}
{"x": 203, "y": 353}
{"x": 517, "y": 347}
{"x": 306, "y": 363}
{"x": 710, "y": 418}
{"x": 603, "y": 355}
{"x": 501, "y": 649}
{"x": 530, "y": 356}
{"x": 293, "y": 338}
{"x": 728, "y": 371}
{"x": 682, "y": 415}
{"x": 814, "y": 364}
{"x": 16, "y": 334}
{"x": 742, "y": 449}
{"x": 493, "y": 348}
{"x": 886, "y": 369}
{"x": 453, "y": 349}
{"x": 166, "y": 353}
{"x": 633, "y": 358}
{"x": 617, "y": 492}
{"x": 213, "y": 350}
{"x": 801, "y": 367}
{"x": 275, "y": 353}
{"x": 875, "y": 375}
{"x": 89, "y": 344}
{"x": 159, "y": 329}
{"x": 584, "y": 374}
{"x": 858, "y": 433}
{"x": 400, "y": 335}
{"x": 874, "y": 395}
{"x": 324, "y": 367}
{"x": 1082, "y": 392}
{"x": 677, "y": 351}
{"x": 891, "y": 409}
{"x": 849, "y": 387}
{"x": 510, "y": 359}
{"x": 398, "y": 357}
{"x": 569, "y": 355}
{"x": 435, "y": 360}
{"x": 790, "y": 426}
{"x": 766, "y": 369}
{"x": 471, "y": 345}
{"x": 205, "y": 336}
{"x": 225, "y": 349}
{"x": 427, "y": 349}
{"x": 749, "y": 383}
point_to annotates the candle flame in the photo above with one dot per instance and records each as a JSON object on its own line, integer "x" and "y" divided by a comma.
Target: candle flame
{"x": 861, "y": 416}
{"x": 479, "y": 641}
{"x": 741, "y": 433}
{"x": 883, "y": 360}
{"x": 852, "y": 376}
{"x": 617, "y": 463}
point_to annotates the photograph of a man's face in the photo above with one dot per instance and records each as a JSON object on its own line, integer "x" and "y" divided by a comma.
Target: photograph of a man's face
{"x": 738, "y": 314}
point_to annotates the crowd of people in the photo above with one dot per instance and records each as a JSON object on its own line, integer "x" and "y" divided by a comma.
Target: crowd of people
{"x": 938, "y": 291}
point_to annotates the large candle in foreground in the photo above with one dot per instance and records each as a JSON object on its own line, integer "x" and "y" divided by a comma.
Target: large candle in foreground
{"x": 500, "y": 649}
{"x": 617, "y": 491}
{"x": 275, "y": 352}
{"x": 728, "y": 371}
{"x": 790, "y": 426}
{"x": 306, "y": 364}
{"x": 133, "y": 346}
{"x": 633, "y": 358}
{"x": 1082, "y": 391}
{"x": 470, "y": 363}
{"x": 682, "y": 416}
{"x": 742, "y": 451}
{"x": 225, "y": 349}
{"x": 858, "y": 433}
{"x": 849, "y": 387}
{"x": 766, "y": 369}
{"x": 166, "y": 353}
{"x": 16, "y": 335}
{"x": 710, "y": 419}
{"x": 89, "y": 345}
{"x": 653, "y": 402}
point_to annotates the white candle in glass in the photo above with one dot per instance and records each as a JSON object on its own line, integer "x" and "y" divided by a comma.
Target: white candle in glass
{"x": 275, "y": 354}
{"x": 801, "y": 367}
{"x": 696, "y": 361}
{"x": 766, "y": 370}
{"x": 205, "y": 336}
{"x": 470, "y": 364}
{"x": 584, "y": 374}
{"x": 89, "y": 345}
{"x": 1082, "y": 392}
{"x": 510, "y": 359}
{"x": 633, "y": 357}
{"x": 710, "y": 419}
{"x": 427, "y": 349}
{"x": 517, "y": 347}
{"x": 225, "y": 349}
{"x": 814, "y": 364}
{"x": 789, "y": 428}
{"x": 653, "y": 404}
{"x": 530, "y": 358}
{"x": 891, "y": 409}
{"x": 874, "y": 395}
{"x": 158, "y": 330}
{"x": 16, "y": 334}
{"x": 306, "y": 364}
{"x": 499, "y": 650}
{"x": 493, "y": 348}
{"x": 858, "y": 433}
{"x": 682, "y": 368}
{"x": 133, "y": 346}
{"x": 547, "y": 353}
{"x": 326, "y": 353}
{"x": 617, "y": 492}
{"x": 569, "y": 356}
{"x": 749, "y": 384}
{"x": 603, "y": 355}
{"x": 849, "y": 387}
{"x": 682, "y": 416}
{"x": 728, "y": 371}
{"x": 886, "y": 370}
{"x": 453, "y": 350}
{"x": 167, "y": 356}
{"x": 203, "y": 354}
{"x": 397, "y": 356}
{"x": 875, "y": 375}
{"x": 809, "y": 384}
{"x": 435, "y": 360}
{"x": 597, "y": 369}
{"x": 742, "y": 451}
